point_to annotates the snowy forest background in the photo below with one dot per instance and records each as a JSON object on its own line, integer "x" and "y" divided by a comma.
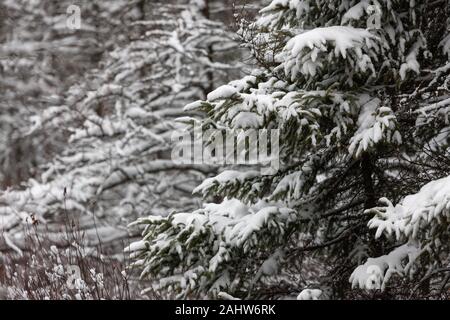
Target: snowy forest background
{"x": 93, "y": 207}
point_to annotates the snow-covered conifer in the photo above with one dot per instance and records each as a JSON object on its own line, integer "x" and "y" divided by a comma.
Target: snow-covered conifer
{"x": 40, "y": 58}
{"x": 116, "y": 163}
{"x": 358, "y": 89}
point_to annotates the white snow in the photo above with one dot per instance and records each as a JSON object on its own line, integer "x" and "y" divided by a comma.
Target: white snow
{"x": 431, "y": 203}
{"x": 376, "y": 272}
{"x": 343, "y": 38}
{"x": 223, "y": 92}
{"x": 309, "y": 294}
{"x": 375, "y": 123}
{"x": 225, "y": 177}
{"x": 356, "y": 12}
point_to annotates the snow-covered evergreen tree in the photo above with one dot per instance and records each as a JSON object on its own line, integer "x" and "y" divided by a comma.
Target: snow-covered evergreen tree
{"x": 120, "y": 116}
{"x": 359, "y": 91}
{"x": 419, "y": 224}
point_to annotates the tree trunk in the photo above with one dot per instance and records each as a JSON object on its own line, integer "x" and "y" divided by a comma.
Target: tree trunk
{"x": 209, "y": 86}
{"x": 366, "y": 172}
